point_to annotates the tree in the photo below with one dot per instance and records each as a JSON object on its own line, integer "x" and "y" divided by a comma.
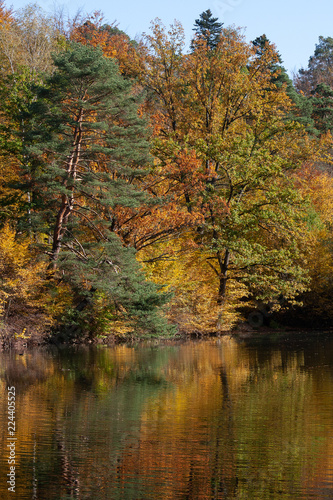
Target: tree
{"x": 228, "y": 116}
{"x": 162, "y": 74}
{"x": 320, "y": 68}
{"x": 208, "y": 28}
{"x": 302, "y": 109}
{"x": 26, "y": 42}
{"x": 90, "y": 146}
{"x": 6, "y": 24}
{"x": 317, "y": 308}
{"x": 322, "y": 105}
{"x": 21, "y": 275}
{"x": 280, "y": 77}
{"x": 28, "y": 39}
{"x": 114, "y": 43}
{"x": 314, "y": 86}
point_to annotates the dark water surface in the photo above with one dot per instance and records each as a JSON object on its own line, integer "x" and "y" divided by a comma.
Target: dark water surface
{"x": 215, "y": 419}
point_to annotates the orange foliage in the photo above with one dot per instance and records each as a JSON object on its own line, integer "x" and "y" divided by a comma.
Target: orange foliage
{"x": 6, "y": 15}
{"x": 113, "y": 42}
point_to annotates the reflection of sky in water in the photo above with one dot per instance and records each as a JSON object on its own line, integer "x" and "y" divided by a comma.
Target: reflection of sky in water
{"x": 213, "y": 419}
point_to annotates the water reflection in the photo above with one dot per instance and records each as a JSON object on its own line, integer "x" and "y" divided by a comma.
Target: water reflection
{"x": 197, "y": 420}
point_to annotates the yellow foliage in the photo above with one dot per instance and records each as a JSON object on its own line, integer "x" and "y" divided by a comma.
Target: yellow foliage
{"x": 194, "y": 307}
{"x": 22, "y": 335}
{"x": 21, "y": 277}
{"x": 57, "y": 301}
{"x": 318, "y": 186}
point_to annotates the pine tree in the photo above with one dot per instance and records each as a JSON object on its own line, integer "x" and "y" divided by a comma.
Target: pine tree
{"x": 320, "y": 68}
{"x": 208, "y": 28}
{"x": 315, "y": 84}
{"x": 92, "y": 151}
{"x": 322, "y": 104}
{"x": 302, "y": 109}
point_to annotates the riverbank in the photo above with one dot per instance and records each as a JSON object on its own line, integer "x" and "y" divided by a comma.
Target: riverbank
{"x": 19, "y": 339}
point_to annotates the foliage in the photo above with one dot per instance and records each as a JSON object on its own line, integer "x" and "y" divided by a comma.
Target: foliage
{"x": 224, "y": 109}
{"x": 90, "y": 145}
{"x": 318, "y": 186}
{"x": 322, "y": 113}
{"x": 301, "y": 110}
{"x": 113, "y": 42}
{"x": 22, "y": 276}
{"x": 193, "y": 307}
{"x": 134, "y": 170}
{"x": 28, "y": 40}
{"x": 314, "y": 86}
{"x": 208, "y": 29}
{"x": 319, "y": 68}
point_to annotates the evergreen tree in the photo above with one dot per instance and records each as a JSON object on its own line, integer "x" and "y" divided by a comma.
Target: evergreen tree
{"x": 315, "y": 84}
{"x": 279, "y": 74}
{"x": 92, "y": 150}
{"x": 302, "y": 106}
{"x": 322, "y": 104}
{"x": 208, "y": 28}
{"x": 320, "y": 68}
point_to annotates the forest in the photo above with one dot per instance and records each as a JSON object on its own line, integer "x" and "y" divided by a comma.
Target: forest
{"x": 149, "y": 188}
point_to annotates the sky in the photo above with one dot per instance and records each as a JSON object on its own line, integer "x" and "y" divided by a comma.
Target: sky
{"x": 293, "y": 25}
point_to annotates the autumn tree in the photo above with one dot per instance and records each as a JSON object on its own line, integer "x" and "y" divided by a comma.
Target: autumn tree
{"x": 222, "y": 109}
{"x": 316, "y": 309}
{"x": 113, "y": 42}
{"x": 28, "y": 39}
{"x": 6, "y": 26}
{"x": 302, "y": 107}
{"x": 280, "y": 77}
{"x": 21, "y": 278}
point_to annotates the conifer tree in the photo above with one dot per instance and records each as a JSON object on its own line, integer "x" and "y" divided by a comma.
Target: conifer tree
{"x": 208, "y": 28}
{"x": 92, "y": 150}
{"x": 321, "y": 101}
{"x": 320, "y": 68}
{"x": 302, "y": 109}
{"x": 314, "y": 86}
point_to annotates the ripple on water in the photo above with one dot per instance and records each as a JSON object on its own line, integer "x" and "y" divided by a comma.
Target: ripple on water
{"x": 199, "y": 420}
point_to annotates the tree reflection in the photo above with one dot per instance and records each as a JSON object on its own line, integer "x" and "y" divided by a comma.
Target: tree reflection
{"x": 216, "y": 420}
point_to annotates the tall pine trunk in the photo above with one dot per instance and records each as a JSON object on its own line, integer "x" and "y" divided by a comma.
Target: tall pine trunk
{"x": 67, "y": 201}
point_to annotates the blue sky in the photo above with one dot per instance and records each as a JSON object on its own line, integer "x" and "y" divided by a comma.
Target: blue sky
{"x": 293, "y": 25}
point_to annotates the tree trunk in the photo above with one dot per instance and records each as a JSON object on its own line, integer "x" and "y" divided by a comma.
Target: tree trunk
{"x": 223, "y": 276}
{"x": 59, "y": 229}
{"x": 67, "y": 201}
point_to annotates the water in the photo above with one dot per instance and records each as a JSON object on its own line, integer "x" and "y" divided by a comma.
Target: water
{"x": 213, "y": 419}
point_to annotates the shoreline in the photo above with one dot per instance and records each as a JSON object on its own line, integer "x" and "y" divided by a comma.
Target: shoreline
{"x": 10, "y": 341}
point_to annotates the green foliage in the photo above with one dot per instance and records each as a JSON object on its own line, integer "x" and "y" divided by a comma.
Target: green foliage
{"x": 322, "y": 105}
{"x": 314, "y": 86}
{"x": 219, "y": 204}
{"x": 91, "y": 147}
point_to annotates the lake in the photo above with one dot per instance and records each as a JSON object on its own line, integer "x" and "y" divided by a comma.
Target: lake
{"x": 214, "y": 419}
